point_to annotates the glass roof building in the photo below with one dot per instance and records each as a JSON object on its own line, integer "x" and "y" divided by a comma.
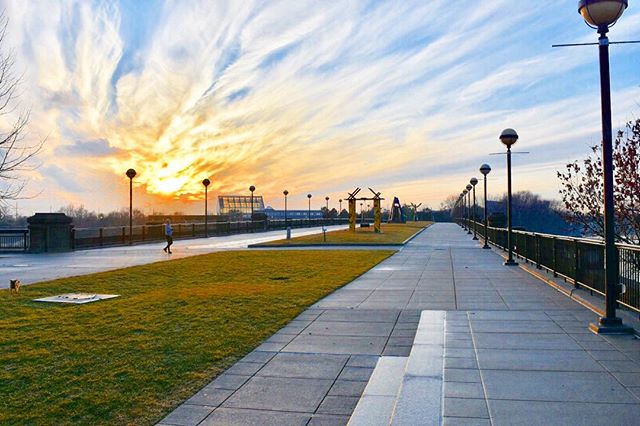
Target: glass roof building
{"x": 230, "y": 204}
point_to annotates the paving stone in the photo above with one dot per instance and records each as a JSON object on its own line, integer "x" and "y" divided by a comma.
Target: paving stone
{"x": 526, "y": 359}
{"x": 187, "y": 415}
{"x": 356, "y": 373}
{"x": 464, "y": 421}
{"x": 351, "y": 328}
{"x": 524, "y": 341}
{"x": 460, "y": 363}
{"x": 338, "y": 405}
{"x": 243, "y": 417}
{"x": 461, "y": 375}
{"x": 465, "y": 407}
{"x": 328, "y": 420}
{"x": 228, "y": 381}
{"x": 373, "y": 410}
{"x": 258, "y": 356}
{"x": 280, "y": 394}
{"x": 396, "y": 351}
{"x": 463, "y": 390}
{"x": 349, "y": 345}
{"x": 554, "y": 386}
{"x": 622, "y": 366}
{"x": 310, "y": 366}
{"x": 210, "y": 396}
{"x": 347, "y": 388}
{"x": 505, "y": 413}
{"x": 419, "y": 402}
{"x": 363, "y": 361}
{"x": 244, "y": 368}
{"x": 360, "y": 315}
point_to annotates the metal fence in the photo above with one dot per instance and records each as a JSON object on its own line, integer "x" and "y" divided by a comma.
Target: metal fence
{"x": 14, "y": 240}
{"x": 119, "y": 235}
{"x": 579, "y": 260}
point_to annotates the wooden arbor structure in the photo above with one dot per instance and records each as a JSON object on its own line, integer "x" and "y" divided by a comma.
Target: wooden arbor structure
{"x": 353, "y": 198}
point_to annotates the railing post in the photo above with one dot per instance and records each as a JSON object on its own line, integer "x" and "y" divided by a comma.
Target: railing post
{"x": 124, "y": 236}
{"x": 193, "y": 230}
{"x": 538, "y": 251}
{"x": 101, "y": 238}
{"x": 555, "y": 257}
{"x": 73, "y": 239}
{"x": 144, "y": 232}
{"x": 25, "y": 240}
{"x": 576, "y": 277}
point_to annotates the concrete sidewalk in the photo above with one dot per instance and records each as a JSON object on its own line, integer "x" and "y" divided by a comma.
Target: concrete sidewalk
{"x": 31, "y": 268}
{"x": 516, "y": 350}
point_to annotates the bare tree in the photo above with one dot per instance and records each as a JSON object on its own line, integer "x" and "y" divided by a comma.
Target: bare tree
{"x": 16, "y": 154}
{"x": 582, "y": 191}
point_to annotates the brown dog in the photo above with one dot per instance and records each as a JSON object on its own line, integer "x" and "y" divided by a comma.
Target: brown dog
{"x": 14, "y": 285}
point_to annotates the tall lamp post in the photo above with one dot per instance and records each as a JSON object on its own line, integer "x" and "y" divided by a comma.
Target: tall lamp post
{"x": 469, "y": 187}
{"x": 206, "y": 183}
{"x": 327, "y": 200}
{"x": 485, "y": 169}
{"x": 509, "y": 137}
{"x": 131, "y": 173}
{"x": 252, "y": 188}
{"x": 309, "y": 214}
{"x": 340, "y": 201}
{"x": 286, "y": 193}
{"x": 464, "y": 208}
{"x": 474, "y": 182}
{"x": 601, "y": 15}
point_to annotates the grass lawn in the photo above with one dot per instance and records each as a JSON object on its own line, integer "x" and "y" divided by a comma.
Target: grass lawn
{"x": 392, "y": 233}
{"x": 177, "y": 325}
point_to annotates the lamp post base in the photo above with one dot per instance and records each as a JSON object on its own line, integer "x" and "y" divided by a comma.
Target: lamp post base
{"x": 475, "y": 238}
{"x": 510, "y": 262}
{"x": 469, "y": 233}
{"x": 610, "y": 326}
{"x": 486, "y": 246}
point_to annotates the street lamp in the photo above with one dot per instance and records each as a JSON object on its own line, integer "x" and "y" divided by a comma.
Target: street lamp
{"x": 327, "y": 200}
{"x": 131, "y": 173}
{"x": 309, "y": 214}
{"x": 601, "y": 15}
{"x": 206, "y": 183}
{"x": 361, "y": 213}
{"x": 252, "y": 188}
{"x": 340, "y": 201}
{"x": 509, "y": 137}
{"x": 474, "y": 182}
{"x": 485, "y": 169}
{"x": 286, "y": 193}
{"x": 464, "y": 208}
{"x": 469, "y": 187}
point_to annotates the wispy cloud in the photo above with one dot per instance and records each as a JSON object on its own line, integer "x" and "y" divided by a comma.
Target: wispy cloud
{"x": 316, "y": 97}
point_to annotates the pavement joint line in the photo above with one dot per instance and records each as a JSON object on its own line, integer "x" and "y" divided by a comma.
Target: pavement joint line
{"x": 329, "y": 389}
{"x": 482, "y": 378}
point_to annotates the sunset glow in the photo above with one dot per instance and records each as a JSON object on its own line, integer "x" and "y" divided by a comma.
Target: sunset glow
{"x": 310, "y": 96}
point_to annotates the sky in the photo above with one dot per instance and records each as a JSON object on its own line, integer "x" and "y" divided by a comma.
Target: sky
{"x": 406, "y": 97}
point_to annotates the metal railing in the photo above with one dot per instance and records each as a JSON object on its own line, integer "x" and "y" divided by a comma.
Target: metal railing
{"x": 83, "y": 238}
{"x": 14, "y": 239}
{"x": 579, "y": 260}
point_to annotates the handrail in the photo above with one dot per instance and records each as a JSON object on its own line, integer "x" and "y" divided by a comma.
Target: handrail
{"x": 579, "y": 260}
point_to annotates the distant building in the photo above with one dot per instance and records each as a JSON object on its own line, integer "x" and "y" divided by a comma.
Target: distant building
{"x": 292, "y": 214}
{"x": 239, "y": 204}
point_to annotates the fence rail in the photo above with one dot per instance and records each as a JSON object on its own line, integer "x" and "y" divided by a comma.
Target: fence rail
{"x": 580, "y": 260}
{"x": 119, "y": 235}
{"x": 14, "y": 239}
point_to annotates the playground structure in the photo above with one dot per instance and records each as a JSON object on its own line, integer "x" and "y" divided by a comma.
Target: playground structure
{"x": 397, "y": 215}
{"x": 352, "y": 199}
{"x": 415, "y": 211}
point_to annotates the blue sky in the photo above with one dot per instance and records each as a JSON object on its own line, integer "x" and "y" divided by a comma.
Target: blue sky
{"x": 404, "y": 96}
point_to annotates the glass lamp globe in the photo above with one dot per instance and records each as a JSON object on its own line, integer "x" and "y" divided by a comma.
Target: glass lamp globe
{"x": 473, "y": 181}
{"x": 469, "y": 188}
{"x": 508, "y": 137}
{"x": 485, "y": 169}
{"x": 602, "y": 13}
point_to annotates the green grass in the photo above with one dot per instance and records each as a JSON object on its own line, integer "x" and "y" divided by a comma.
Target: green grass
{"x": 392, "y": 233}
{"x": 177, "y": 325}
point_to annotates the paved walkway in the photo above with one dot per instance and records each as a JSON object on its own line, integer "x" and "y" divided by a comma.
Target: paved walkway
{"x": 516, "y": 352}
{"x": 31, "y": 268}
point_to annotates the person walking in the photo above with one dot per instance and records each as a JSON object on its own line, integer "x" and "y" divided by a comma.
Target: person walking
{"x": 168, "y": 233}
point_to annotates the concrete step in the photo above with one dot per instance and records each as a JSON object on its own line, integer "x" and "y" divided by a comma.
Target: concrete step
{"x": 419, "y": 400}
{"x": 378, "y": 400}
